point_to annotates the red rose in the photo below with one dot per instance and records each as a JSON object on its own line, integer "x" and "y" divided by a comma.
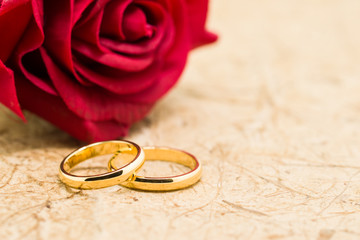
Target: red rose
{"x": 93, "y": 67}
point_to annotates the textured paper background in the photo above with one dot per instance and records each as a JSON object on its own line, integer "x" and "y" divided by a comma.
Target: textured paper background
{"x": 272, "y": 111}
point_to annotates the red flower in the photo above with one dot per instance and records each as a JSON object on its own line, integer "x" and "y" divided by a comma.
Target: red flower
{"x": 93, "y": 67}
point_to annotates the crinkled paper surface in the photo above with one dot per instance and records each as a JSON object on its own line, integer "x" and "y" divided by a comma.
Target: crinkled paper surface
{"x": 272, "y": 111}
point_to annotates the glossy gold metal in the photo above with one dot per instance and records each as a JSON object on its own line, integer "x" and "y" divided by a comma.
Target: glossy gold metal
{"x": 116, "y": 147}
{"x": 164, "y": 183}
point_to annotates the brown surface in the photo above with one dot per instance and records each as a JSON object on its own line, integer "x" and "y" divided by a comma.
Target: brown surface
{"x": 272, "y": 111}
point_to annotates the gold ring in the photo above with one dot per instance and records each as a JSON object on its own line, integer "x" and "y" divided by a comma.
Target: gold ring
{"x": 106, "y": 179}
{"x": 164, "y": 183}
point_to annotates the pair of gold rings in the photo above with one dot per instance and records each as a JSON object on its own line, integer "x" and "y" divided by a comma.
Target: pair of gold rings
{"x": 126, "y": 175}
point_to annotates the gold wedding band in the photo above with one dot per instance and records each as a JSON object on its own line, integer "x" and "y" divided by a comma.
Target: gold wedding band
{"x": 164, "y": 183}
{"x": 106, "y": 179}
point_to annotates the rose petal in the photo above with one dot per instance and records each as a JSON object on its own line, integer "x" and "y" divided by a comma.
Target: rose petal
{"x": 89, "y": 31}
{"x": 92, "y": 103}
{"x": 59, "y": 19}
{"x": 118, "y": 81}
{"x": 164, "y": 27}
{"x": 175, "y": 59}
{"x": 135, "y": 24}
{"x": 53, "y": 109}
{"x": 197, "y": 11}
{"x": 8, "y": 95}
{"x": 79, "y": 8}
{"x": 113, "y": 19}
{"x": 126, "y": 63}
{"x": 91, "y": 11}
{"x": 11, "y": 26}
{"x": 34, "y": 69}
{"x": 32, "y": 39}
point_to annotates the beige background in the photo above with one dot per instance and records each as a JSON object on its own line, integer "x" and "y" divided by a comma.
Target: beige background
{"x": 272, "y": 111}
